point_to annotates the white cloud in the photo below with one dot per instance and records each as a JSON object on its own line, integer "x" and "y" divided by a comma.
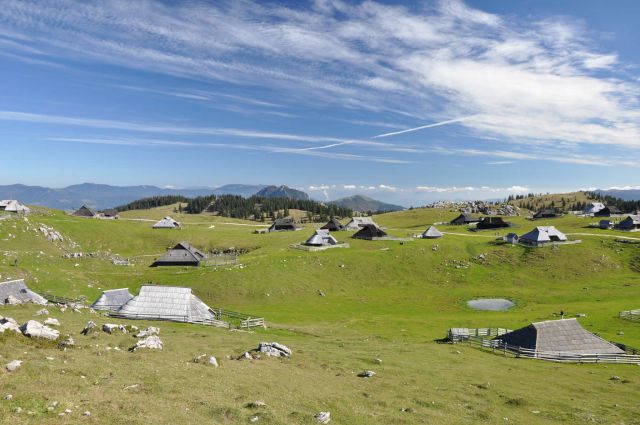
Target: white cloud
{"x": 540, "y": 83}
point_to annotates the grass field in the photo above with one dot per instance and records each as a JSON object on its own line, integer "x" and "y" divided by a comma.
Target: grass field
{"x": 384, "y": 299}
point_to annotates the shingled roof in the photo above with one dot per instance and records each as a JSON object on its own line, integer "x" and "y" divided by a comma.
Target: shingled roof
{"x": 542, "y": 235}
{"x": 167, "y": 223}
{"x": 431, "y": 233}
{"x": 357, "y": 223}
{"x": 183, "y": 254}
{"x": 333, "y": 225}
{"x": 321, "y": 237}
{"x": 564, "y": 336}
{"x": 112, "y": 299}
{"x": 174, "y": 303}
{"x": 84, "y": 211}
{"x": 369, "y": 231}
{"x": 18, "y": 289}
{"x": 283, "y": 224}
{"x": 465, "y": 218}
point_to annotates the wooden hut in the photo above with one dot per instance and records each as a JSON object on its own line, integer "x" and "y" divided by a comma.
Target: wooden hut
{"x": 465, "y": 218}
{"x": 370, "y": 232}
{"x": 283, "y": 225}
{"x": 492, "y": 223}
{"x": 183, "y": 254}
{"x": 333, "y": 225}
{"x": 84, "y": 211}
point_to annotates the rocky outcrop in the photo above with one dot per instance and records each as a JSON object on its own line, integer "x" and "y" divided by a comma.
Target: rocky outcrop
{"x": 35, "y": 329}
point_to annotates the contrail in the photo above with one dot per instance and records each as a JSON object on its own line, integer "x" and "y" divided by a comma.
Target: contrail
{"x": 422, "y": 127}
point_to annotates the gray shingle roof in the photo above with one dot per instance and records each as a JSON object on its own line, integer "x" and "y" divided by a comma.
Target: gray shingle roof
{"x": 357, "y": 223}
{"x": 564, "y": 336}
{"x": 181, "y": 254}
{"x": 166, "y": 223}
{"x": 432, "y": 233}
{"x": 112, "y": 299}
{"x": 19, "y": 290}
{"x": 166, "y": 303}
{"x": 321, "y": 237}
{"x": 84, "y": 211}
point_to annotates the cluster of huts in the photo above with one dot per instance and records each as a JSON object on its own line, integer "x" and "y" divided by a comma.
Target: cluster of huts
{"x": 13, "y": 206}
{"x": 87, "y": 212}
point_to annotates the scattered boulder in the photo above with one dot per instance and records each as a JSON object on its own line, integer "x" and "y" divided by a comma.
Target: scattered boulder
{"x": 151, "y": 330}
{"x": 35, "y": 329}
{"x": 42, "y": 312}
{"x": 7, "y": 323}
{"x": 50, "y": 321}
{"x": 615, "y": 378}
{"x": 256, "y": 404}
{"x": 12, "y": 366}
{"x": 67, "y": 342}
{"x": 89, "y": 328}
{"x": 152, "y": 342}
{"x": 274, "y": 349}
{"x": 11, "y": 300}
{"x": 366, "y": 374}
{"x": 8, "y": 397}
{"x": 110, "y": 328}
{"x": 86, "y": 413}
{"x": 206, "y": 360}
{"x": 323, "y": 417}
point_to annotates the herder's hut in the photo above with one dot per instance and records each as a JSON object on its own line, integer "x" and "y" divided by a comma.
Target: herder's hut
{"x": 112, "y": 299}
{"x": 110, "y": 213}
{"x": 564, "y": 336}
{"x": 167, "y": 223}
{"x": 592, "y": 208}
{"x": 542, "y": 235}
{"x": 173, "y": 303}
{"x": 16, "y": 292}
{"x": 431, "y": 233}
{"x": 283, "y": 225}
{"x": 608, "y": 211}
{"x": 491, "y": 223}
{"x": 605, "y": 224}
{"x": 13, "y": 206}
{"x": 321, "y": 237}
{"x": 632, "y": 222}
{"x": 84, "y": 211}
{"x": 545, "y": 214}
{"x": 357, "y": 223}
{"x": 511, "y": 238}
{"x": 183, "y": 254}
{"x": 369, "y": 232}
{"x": 333, "y": 225}
{"x": 465, "y": 219}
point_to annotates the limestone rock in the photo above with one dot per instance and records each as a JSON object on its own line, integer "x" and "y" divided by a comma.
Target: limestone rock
{"x": 151, "y": 330}
{"x": 323, "y": 417}
{"x": 9, "y": 324}
{"x": 152, "y": 342}
{"x": 274, "y": 349}
{"x": 42, "y": 312}
{"x": 366, "y": 374}
{"x": 67, "y": 342}
{"x": 89, "y": 328}
{"x": 35, "y": 329}
{"x": 11, "y": 300}
{"x": 109, "y": 327}
{"x": 50, "y": 321}
{"x": 12, "y": 366}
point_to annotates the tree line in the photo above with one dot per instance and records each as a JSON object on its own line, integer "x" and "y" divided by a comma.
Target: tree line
{"x": 263, "y": 209}
{"x": 624, "y": 206}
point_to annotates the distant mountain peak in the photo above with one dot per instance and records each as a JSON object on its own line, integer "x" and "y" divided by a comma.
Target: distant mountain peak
{"x": 282, "y": 192}
{"x": 362, "y": 203}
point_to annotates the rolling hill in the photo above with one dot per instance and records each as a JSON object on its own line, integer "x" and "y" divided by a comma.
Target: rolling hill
{"x": 282, "y": 192}
{"x": 363, "y": 203}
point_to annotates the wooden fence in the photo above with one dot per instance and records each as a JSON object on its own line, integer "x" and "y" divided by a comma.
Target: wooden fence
{"x": 630, "y": 314}
{"x": 463, "y": 334}
{"x": 222, "y": 259}
{"x": 244, "y": 321}
{"x": 62, "y": 300}
{"x": 499, "y": 347}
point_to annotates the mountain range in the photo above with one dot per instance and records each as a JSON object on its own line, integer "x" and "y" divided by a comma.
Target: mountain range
{"x": 363, "y": 203}
{"x": 625, "y": 194}
{"x": 101, "y": 196}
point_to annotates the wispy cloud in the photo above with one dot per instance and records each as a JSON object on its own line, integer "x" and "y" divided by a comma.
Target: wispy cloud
{"x": 422, "y": 127}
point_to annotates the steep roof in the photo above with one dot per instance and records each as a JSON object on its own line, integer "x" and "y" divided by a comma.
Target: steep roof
{"x": 358, "y": 222}
{"x": 560, "y": 336}
{"x": 84, "y": 211}
{"x": 166, "y": 303}
{"x": 545, "y": 213}
{"x": 283, "y": 224}
{"x": 333, "y": 225}
{"x": 543, "y": 234}
{"x": 432, "y": 233}
{"x": 369, "y": 231}
{"x": 465, "y": 218}
{"x": 112, "y": 299}
{"x": 491, "y": 223}
{"x": 630, "y": 222}
{"x": 11, "y": 205}
{"x": 181, "y": 254}
{"x": 166, "y": 223}
{"x": 321, "y": 237}
{"x": 19, "y": 290}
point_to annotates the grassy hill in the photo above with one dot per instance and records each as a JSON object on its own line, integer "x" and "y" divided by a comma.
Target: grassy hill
{"x": 384, "y": 299}
{"x": 562, "y": 201}
{"x": 363, "y": 203}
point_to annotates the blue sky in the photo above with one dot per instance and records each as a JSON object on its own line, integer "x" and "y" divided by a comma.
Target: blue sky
{"x": 408, "y": 102}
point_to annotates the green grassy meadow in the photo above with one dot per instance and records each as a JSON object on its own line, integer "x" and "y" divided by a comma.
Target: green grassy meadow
{"x": 384, "y": 299}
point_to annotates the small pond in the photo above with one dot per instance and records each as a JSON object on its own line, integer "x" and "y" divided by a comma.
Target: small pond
{"x": 490, "y": 304}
